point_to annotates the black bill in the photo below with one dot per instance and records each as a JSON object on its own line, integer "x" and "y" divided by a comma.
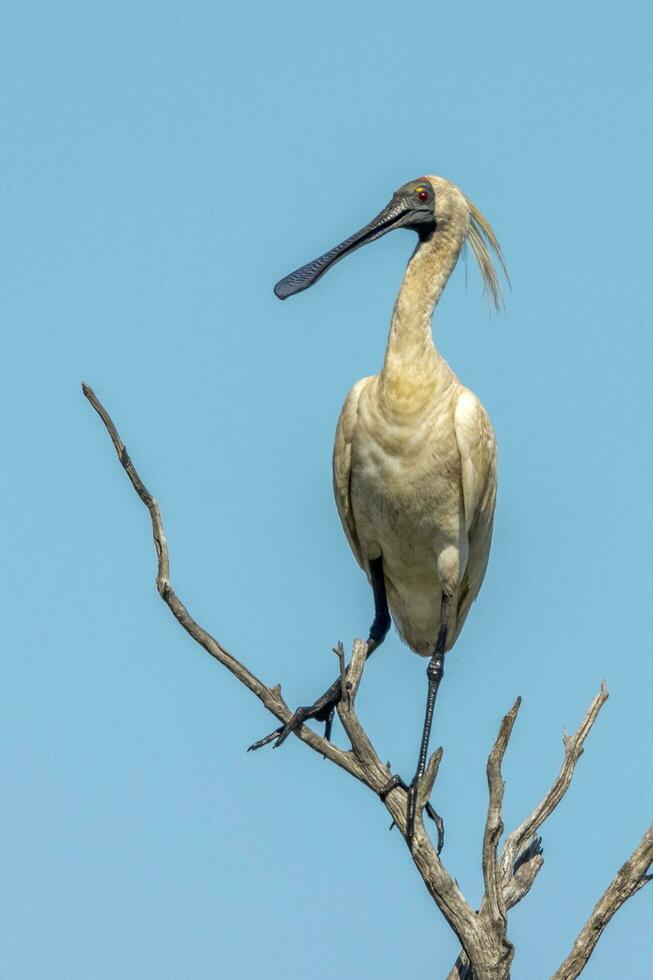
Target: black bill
{"x": 392, "y": 216}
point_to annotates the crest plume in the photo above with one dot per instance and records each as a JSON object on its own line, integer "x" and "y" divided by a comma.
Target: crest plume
{"x": 480, "y": 236}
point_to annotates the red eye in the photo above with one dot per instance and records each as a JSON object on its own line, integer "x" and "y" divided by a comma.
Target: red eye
{"x": 423, "y": 195}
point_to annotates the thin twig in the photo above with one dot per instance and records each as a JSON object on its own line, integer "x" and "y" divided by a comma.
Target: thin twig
{"x": 522, "y": 858}
{"x": 627, "y": 882}
{"x": 496, "y": 907}
{"x": 339, "y": 651}
{"x": 363, "y": 763}
{"x": 363, "y": 749}
{"x": 428, "y": 779}
{"x": 486, "y": 953}
{"x": 526, "y": 869}
{"x": 573, "y": 750}
{"x": 270, "y": 697}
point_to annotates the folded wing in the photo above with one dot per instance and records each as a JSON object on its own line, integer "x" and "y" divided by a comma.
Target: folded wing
{"x": 477, "y": 447}
{"x": 342, "y": 466}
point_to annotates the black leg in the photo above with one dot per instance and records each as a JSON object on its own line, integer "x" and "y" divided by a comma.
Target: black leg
{"x": 323, "y": 709}
{"x": 320, "y": 710}
{"x": 435, "y": 673}
{"x": 435, "y": 817}
{"x": 381, "y": 624}
{"x": 378, "y": 629}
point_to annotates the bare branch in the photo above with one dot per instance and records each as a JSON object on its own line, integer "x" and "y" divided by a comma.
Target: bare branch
{"x": 363, "y": 750}
{"x": 356, "y": 668}
{"x": 486, "y": 951}
{"x": 627, "y": 882}
{"x": 270, "y": 697}
{"x": 428, "y": 779}
{"x": 525, "y": 871}
{"x": 522, "y": 856}
{"x": 495, "y": 905}
{"x": 573, "y": 750}
{"x": 363, "y": 763}
{"x": 493, "y": 908}
{"x": 339, "y": 651}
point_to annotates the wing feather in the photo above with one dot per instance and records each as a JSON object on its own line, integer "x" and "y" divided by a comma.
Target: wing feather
{"x": 478, "y": 456}
{"x": 342, "y": 466}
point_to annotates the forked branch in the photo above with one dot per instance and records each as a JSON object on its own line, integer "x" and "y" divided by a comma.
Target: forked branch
{"x": 573, "y": 745}
{"x": 362, "y": 761}
{"x": 486, "y": 953}
{"x": 522, "y": 855}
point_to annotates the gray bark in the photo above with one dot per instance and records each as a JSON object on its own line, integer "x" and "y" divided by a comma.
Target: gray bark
{"x": 486, "y": 952}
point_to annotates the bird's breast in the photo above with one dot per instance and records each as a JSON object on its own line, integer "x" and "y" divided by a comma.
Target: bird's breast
{"x": 405, "y": 477}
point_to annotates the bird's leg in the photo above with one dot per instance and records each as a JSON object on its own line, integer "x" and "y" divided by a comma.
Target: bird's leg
{"x": 435, "y": 673}
{"x": 320, "y": 710}
{"x": 378, "y": 629}
{"x": 323, "y": 709}
{"x": 430, "y": 810}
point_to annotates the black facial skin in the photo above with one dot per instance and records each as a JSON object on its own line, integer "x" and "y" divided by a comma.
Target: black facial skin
{"x": 405, "y": 210}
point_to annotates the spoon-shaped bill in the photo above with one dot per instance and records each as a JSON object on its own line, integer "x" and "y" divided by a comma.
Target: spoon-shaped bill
{"x": 302, "y": 278}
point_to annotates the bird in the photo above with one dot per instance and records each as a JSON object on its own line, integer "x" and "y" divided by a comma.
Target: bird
{"x": 414, "y": 459}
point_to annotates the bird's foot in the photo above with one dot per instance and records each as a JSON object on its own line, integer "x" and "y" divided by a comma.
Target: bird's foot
{"x": 322, "y": 710}
{"x": 411, "y": 808}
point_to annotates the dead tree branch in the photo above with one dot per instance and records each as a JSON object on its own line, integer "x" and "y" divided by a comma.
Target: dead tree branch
{"x": 522, "y": 855}
{"x": 628, "y": 880}
{"x": 486, "y": 951}
{"x": 494, "y": 906}
{"x": 573, "y": 745}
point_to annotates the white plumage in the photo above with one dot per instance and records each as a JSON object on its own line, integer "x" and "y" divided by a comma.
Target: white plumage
{"x": 414, "y": 462}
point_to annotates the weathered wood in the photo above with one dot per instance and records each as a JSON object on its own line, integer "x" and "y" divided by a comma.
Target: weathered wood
{"x": 627, "y": 882}
{"x": 486, "y": 952}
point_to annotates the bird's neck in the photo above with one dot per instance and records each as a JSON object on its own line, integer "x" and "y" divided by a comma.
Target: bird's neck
{"x": 411, "y": 357}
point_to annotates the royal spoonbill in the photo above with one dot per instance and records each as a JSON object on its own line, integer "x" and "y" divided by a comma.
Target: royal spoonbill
{"x": 414, "y": 461}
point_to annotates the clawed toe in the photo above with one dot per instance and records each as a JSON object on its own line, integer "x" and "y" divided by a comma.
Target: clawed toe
{"x": 323, "y": 710}
{"x": 439, "y": 825}
{"x": 266, "y": 741}
{"x": 279, "y": 735}
{"x": 393, "y": 783}
{"x": 411, "y": 809}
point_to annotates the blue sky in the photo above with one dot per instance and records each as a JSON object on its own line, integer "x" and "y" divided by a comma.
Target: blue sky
{"x": 163, "y": 165}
